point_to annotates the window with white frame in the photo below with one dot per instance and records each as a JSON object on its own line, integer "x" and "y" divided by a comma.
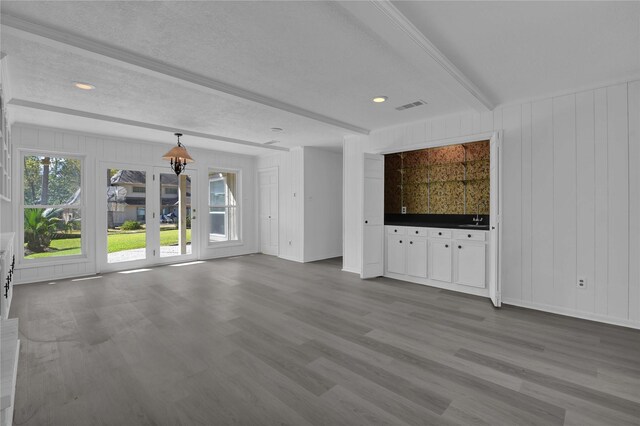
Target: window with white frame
{"x": 223, "y": 206}
{"x": 52, "y": 206}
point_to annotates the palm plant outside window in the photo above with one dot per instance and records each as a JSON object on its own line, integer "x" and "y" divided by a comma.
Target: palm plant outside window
{"x": 52, "y": 206}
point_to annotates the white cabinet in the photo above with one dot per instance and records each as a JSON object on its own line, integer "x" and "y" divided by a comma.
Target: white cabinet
{"x": 417, "y": 257}
{"x": 440, "y": 259}
{"x": 396, "y": 254}
{"x": 453, "y": 259}
{"x": 469, "y": 263}
{"x": 7, "y": 263}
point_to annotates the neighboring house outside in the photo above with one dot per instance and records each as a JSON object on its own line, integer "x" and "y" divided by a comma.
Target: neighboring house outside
{"x": 127, "y": 197}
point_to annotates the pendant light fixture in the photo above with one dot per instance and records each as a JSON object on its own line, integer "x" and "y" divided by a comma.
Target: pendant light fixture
{"x": 178, "y": 157}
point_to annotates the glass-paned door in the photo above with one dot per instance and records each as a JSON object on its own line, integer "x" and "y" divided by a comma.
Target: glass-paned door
{"x": 124, "y": 240}
{"x": 176, "y": 214}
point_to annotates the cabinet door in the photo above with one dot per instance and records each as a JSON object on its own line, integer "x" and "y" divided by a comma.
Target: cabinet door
{"x": 417, "y": 257}
{"x": 470, "y": 263}
{"x": 373, "y": 220}
{"x": 396, "y": 254}
{"x": 440, "y": 260}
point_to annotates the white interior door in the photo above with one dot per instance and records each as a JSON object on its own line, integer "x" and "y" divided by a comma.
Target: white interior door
{"x": 373, "y": 217}
{"x": 268, "y": 183}
{"x": 495, "y": 233}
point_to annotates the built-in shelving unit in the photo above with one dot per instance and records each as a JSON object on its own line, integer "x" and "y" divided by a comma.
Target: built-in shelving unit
{"x": 5, "y": 153}
{"x": 7, "y": 265}
{"x": 444, "y": 180}
{"x": 9, "y": 351}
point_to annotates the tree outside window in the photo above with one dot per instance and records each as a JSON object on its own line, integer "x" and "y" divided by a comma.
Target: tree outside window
{"x": 52, "y": 206}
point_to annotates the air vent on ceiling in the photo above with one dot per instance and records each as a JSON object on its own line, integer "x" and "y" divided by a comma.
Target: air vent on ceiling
{"x": 411, "y": 105}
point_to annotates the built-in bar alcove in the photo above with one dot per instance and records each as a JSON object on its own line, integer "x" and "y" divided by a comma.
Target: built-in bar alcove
{"x": 451, "y": 180}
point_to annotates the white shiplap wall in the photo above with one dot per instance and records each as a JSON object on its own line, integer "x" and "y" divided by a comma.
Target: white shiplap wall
{"x": 322, "y": 204}
{"x": 98, "y": 148}
{"x": 571, "y": 198}
{"x": 310, "y": 207}
{"x": 290, "y": 201}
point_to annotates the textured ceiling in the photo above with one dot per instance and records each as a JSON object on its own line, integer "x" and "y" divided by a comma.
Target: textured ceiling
{"x": 127, "y": 94}
{"x": 519, "y": 50}
{"x": 312, "y": 55}
{"x": 309, "y": 54}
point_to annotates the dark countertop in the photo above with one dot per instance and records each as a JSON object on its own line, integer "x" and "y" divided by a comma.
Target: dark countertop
{"x": 438, "y": 225}
{"x": 453, "y": 221}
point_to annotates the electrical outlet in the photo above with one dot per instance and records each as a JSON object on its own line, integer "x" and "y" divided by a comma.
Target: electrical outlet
{"x": 582, "y": 282}
{"x": 404, "y": 210}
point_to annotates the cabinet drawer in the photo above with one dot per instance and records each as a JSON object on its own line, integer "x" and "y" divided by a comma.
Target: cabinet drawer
{"x": 396, "y": 230}
{"x": 470, "y": 235}
{"x": 417, "y": 232}
{"x": 439, "y": 233}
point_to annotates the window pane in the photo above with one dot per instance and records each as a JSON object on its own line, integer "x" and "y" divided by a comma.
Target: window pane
{"x": 170, "y": 244}
{"x": 223, "y": 213}
{"x": 217, "y": 224}
{"x": 52, "y": 232}
{"x": 126, "y": 218}
{"x": 51, "y": 180}
{"x": 222, "y": 189}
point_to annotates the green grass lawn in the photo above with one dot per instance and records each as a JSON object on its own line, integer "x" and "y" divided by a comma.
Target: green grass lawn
{"x": 115, "y": 242}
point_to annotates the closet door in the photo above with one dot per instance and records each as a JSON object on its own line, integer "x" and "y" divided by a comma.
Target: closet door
{"x": 268, "y": 182}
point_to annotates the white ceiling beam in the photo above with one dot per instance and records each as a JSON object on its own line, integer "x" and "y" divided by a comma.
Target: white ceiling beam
{"x": 130, "y": 60}
{"x": 384, "y": 19}
{"x": 186, "y": 132}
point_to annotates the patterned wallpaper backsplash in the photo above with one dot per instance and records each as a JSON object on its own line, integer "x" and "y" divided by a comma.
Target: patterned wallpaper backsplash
{"x": 451, "y": 179}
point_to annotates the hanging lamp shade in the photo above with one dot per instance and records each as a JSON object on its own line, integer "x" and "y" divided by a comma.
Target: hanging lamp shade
{"x": 178, "y": 157}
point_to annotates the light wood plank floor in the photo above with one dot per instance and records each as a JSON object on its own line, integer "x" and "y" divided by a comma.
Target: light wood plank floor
{"x": 256, "y": 340}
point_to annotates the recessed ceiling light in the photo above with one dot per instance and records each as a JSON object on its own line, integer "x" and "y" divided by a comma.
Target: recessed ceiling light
{"x": 84, "y": 86}
{"x": 276, "y": 129}
{"x": 379, "y": 99}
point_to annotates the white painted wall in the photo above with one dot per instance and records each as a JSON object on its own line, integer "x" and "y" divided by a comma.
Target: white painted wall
{"x": 322, "y": 204}
{"x": 98, "y": 148}
{"x": 571, "y": 198}
{"x": 290, "y": 202}
{"x": 5, "y": 216}
{"x": 310, "y": 203}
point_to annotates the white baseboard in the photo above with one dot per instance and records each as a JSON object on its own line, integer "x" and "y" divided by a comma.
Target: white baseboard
{"x": 352, "y": 270}
{"x": 57, "y": 277}
{"x": 572, "y": 313}
{"x": 476, "y": 291}
{"x": 322, "y": 257}
{"x": 290, "y": 258}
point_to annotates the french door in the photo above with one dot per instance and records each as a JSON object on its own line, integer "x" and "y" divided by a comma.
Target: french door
{"x": 175, "y": 216}
{"x": 146, "y": 217}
